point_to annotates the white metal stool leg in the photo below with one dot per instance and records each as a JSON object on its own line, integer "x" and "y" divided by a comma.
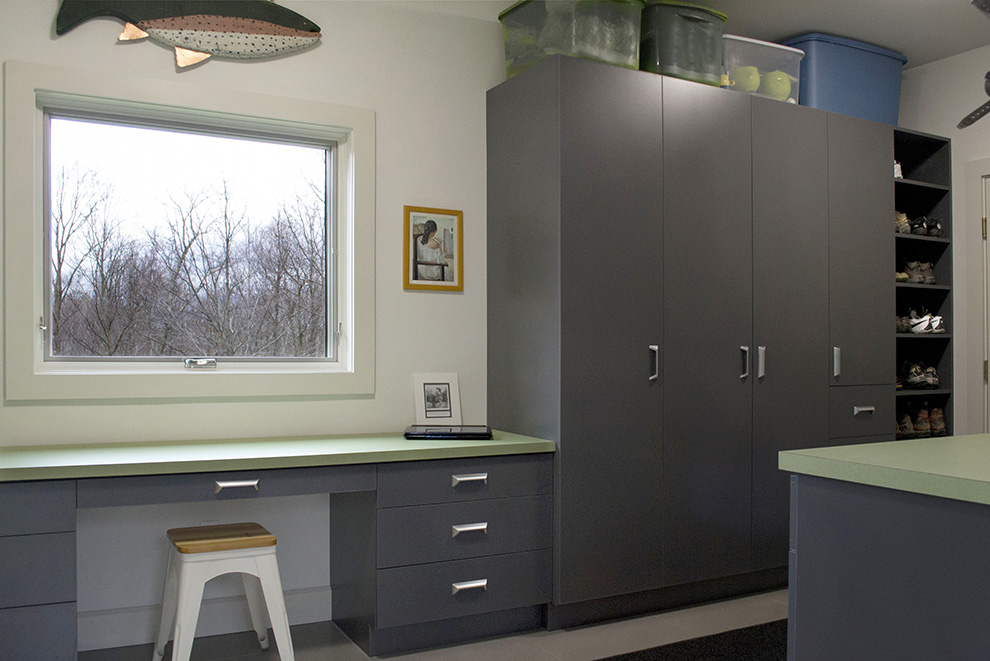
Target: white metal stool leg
{"x": 190, "y": 595}
{"x": 272, "y": 585}
{"x": 168, "y": 609}
{"x": 256, "y": 604}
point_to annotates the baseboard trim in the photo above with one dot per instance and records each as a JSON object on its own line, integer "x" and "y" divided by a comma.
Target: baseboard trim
{"x": 123, "y": 627}
{"x": 562, "y": 616}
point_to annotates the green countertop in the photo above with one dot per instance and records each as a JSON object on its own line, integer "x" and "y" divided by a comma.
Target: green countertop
{"x": 48, "y": 462}
{"x": 956, "y": 467}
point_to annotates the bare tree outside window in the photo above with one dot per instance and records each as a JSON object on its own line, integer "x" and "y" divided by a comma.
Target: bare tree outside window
{"x": 156, "y": 258}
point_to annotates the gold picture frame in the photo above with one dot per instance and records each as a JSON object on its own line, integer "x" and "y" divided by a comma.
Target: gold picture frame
{"x": 434, "y": 262}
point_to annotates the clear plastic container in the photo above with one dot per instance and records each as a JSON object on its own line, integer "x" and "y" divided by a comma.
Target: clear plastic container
{"x": 607, "y": 31}
{"x": 761, "y": 68}
{"x": 682, "y": 40}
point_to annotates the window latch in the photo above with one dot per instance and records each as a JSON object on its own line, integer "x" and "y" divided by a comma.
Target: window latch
{"x": 200, "y": 363}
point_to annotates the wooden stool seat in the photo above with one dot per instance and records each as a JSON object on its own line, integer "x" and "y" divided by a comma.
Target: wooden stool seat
{"x": 207, "y": 539}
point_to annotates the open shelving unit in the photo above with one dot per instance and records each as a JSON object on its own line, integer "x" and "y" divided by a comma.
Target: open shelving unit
{"x": 924, "y": 190}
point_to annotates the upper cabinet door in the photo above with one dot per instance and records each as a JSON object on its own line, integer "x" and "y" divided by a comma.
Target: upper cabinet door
{"x": 861, "y": 252}
{"x": 708, "y": 320}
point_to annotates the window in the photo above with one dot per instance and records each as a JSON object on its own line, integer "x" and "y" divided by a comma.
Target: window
{"x": 179, "y": 243}
{"x": 136, "y": 238}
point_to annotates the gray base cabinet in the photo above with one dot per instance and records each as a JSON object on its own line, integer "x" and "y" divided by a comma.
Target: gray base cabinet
{"x": 38, "y": 572}
{"x": 663, "y": 303}
{"x": 463, "y": 551}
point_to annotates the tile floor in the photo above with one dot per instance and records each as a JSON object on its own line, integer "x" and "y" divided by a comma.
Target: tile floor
{"x": 324, "y": 642}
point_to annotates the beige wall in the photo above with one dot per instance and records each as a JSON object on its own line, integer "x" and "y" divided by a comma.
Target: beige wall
{"x": 425, "y": 76}
{"x": 934, "y": 97}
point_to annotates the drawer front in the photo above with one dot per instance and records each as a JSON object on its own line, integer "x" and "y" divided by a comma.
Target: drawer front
{"x": 39, "y": 632}
{"x": 456, "y": 480}
{"x": 425, "y": 593}
{"x": 434, "y": 533}
{"x": 36, "y": 507}
{"x": 37, "y": 569}
{"x": 861, "y": 411}
{"x": 189, "y": 487}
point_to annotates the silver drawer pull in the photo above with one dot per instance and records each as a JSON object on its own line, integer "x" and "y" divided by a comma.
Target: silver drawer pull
{"x": 481, "y": 584}
{"x": 236, "y": 484}
{"x": 469, "y": 527}
{"x": 468, "y": 477}
{"x": 864, "y": 409}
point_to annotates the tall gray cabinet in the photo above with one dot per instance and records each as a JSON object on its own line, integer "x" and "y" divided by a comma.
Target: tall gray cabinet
{"x": 658, "y": 303}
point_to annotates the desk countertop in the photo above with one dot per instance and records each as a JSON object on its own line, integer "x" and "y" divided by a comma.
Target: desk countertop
{"x": 48, "y": 462}
{"x": 956, "y": 467}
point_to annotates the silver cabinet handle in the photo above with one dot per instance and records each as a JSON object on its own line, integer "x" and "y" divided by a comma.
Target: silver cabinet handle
{"x": 836, "y": 362}
{"x": 469, "y": 527}
{"x": 745, "y": 363}
{"x": 480, "y": 584}
{"x": 864, "y": 409}
{"x": 468, "y": 477}
{"x": 761, "y": 362}
{"x": 655, "y": 350}
{"x": 236, "y": 484}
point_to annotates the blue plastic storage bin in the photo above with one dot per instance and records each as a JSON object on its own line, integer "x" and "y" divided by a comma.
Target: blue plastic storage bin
{"x": 849, "y": 77}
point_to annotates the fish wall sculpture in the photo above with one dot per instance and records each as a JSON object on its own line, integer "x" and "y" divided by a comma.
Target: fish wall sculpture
{"x": 199, "y": 29}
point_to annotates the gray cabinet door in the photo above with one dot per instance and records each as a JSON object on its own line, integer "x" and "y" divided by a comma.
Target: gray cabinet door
{"x": 790, "y": 274}
{"x": 611, "y": 232}
{"x": 708, "y": 317}
{"x": 861, "y": 250}
{"x": 574, "y": 305}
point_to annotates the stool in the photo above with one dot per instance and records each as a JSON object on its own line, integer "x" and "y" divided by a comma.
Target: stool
{"x": 201, "y": 553}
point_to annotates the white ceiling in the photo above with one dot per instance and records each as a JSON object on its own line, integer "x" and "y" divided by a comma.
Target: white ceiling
{"x": 921, "y": 30}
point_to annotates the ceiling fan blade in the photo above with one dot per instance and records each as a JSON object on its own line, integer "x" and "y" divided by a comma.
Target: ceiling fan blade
{"x": 973, "y": 116}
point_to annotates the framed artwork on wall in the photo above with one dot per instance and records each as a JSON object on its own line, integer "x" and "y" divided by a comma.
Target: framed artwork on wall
{"x": 434, "y": 249}
{"x": 438, "y": 399}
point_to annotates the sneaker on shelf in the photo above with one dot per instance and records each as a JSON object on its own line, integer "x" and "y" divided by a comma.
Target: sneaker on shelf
{"x": 905, "y": 428}
{"x": 927, "y": 273}
{"x": 922, "y": 324}
{"x": 937, "y": 325}
{"x": 898, "y": 172}
{"x": 931, "y": 377}
{"x": 934, "y": 227}
{"x": 913, "y": 270}
{"x": 936, "y": 421}
{"x": 914, "y": 376}
{"x": 903, "y": 324}
{"x": 900, "y": 276}
{"x": 922, "y": 425}
{"x": 919, "y": 226}
{"x": 901, "y": 223}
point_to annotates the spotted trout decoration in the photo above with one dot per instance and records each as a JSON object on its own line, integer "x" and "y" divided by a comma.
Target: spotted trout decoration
{"x": 199, "y": 29}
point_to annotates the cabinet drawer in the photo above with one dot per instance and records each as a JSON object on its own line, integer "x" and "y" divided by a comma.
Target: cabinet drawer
{"x": 456, "y": 480}
{"x": 35, "y": 507}
{"x": 860, "y": 411}
{"x": 37, "y": 569}
{"x": 189, "y": 487}
{"x": 433, "y": 533}
{"x": 39, "y": 632}
{"x": 424, "y": 593}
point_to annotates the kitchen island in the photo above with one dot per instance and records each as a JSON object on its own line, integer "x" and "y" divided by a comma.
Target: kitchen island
{"x": 890, "y": 550}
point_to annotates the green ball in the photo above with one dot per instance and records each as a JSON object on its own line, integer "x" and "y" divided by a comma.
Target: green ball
{"x": 744, "y": 79}
{"x": 776, "y": 85}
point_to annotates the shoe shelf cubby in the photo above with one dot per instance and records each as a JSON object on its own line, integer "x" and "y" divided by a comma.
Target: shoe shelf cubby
{"x": 923, "y": 274}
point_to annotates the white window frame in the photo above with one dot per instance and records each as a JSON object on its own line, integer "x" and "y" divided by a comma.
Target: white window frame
{"x": 28, "y": 88}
